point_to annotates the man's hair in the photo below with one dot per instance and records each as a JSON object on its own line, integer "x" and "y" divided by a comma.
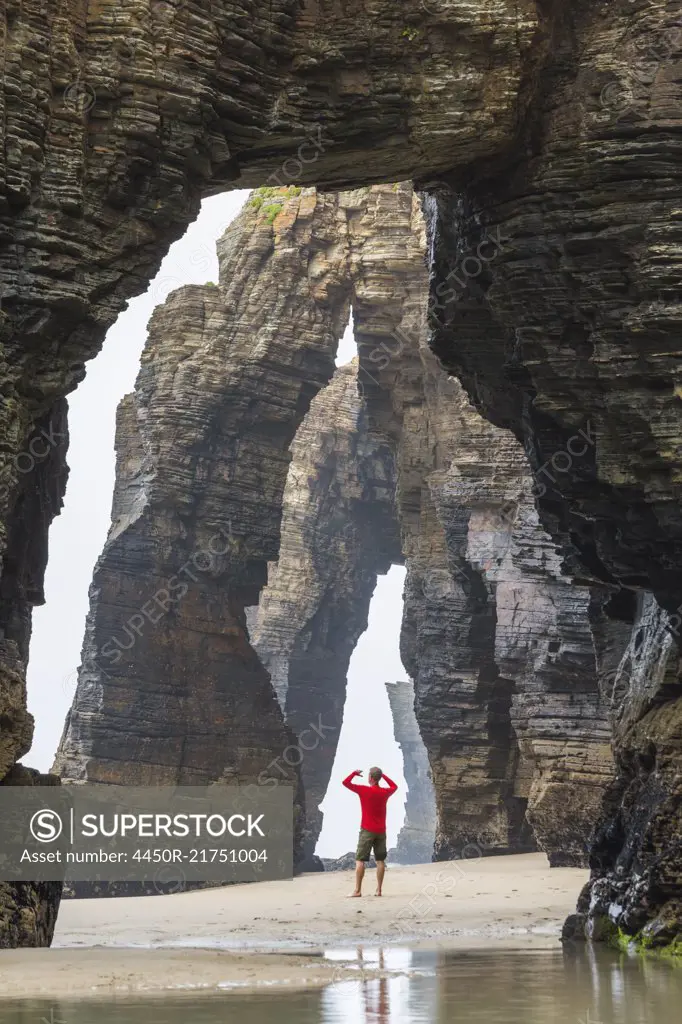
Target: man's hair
{"x": 375, "y": 773}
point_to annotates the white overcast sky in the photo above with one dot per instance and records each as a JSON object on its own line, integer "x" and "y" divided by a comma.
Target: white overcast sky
{"x": 77, "y": 537}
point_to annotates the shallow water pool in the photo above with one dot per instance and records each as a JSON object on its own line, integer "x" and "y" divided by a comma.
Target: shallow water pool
{"x": 573, "y": 986}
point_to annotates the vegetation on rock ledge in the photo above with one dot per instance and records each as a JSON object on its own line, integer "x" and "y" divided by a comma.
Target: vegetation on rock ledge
{"x": 271, "y": 199}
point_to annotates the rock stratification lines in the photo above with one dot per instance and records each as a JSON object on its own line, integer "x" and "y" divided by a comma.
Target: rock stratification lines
{"x": 635, "y": 859}
{"x": 339, "y": 532}
{"x": 416, "y": 837}
{"x": 391, "y": 462}
{"x": 170, "y": 691}
{"x": 497, "y": 640}
{"x": 28, "y": 910}
{"x": 546, "y": 127}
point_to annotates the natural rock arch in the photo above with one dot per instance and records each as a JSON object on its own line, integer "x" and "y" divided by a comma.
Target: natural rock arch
{"x": 495, "y": 637}
{"x": 552, "y": 124}
{"x": 521, "y": 108}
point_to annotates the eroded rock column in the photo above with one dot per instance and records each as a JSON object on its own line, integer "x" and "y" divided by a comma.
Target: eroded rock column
{"x": 635, "y": 860}
{"x": 339, "y": 531}
{"x": 416, "y": 837}
{"x": 574, "y": 327}
{"x": 170, "y": 690}
{"x": 501, "y": 639}
{"x": 28, "y": 910}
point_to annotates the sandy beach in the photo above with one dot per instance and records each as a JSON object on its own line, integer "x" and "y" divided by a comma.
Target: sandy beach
{"x": 275, "y": 933}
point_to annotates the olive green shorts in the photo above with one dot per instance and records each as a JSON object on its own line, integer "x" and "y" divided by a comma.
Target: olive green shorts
{"x": 367, "y": 840}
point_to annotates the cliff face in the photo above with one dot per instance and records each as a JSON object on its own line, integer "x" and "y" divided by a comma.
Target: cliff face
{"x": 542, "y": 671}
{"x": 170, "y": 690}
{"x": 203, "y": 448}
{"x": 570, "y": 325}
{"x": 562, "y": 129}
{"x": 28, "y": 910}
{"x": 203, "y": 455}
{"x": 574, "y": 327}
{"x": 416, "y": 837}
{"x": 338, "y": 533}
{"x": 199, "y": 495}
{"x": 499, "y": 645}
{"x": 636, "y": 876}
{"x": 127, "y": 116}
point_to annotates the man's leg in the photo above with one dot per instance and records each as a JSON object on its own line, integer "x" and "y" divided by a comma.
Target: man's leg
{"x": 361, "y": 855}
{"x": 359, "y": 875}
{"x": 381, "y": 869}
{"x": 380, "y": 852}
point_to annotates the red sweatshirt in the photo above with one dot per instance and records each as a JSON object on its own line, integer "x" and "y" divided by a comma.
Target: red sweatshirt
{"x": 373, "y": 799}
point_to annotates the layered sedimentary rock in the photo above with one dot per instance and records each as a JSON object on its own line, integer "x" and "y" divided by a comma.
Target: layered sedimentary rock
{"x": 203, "y": 453}
{"x": 117, "y": 119}
{"x": 416, "y": 837}
{"x": 561, "y": 121}
{"x": 497, "y": 642}
{"x": 542, "y": 651}
{"x": 170, "y": 689}
{"x": 130, "y": 114}
{"x": 28, "y": 910}
{"x": 576, "y": 326}
{"x": 339, "y": 531}
{"x": 635, "y": 885}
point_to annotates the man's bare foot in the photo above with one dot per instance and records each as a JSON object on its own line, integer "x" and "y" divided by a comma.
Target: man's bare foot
{"x": 378, "y": 892}
{"x": 353, "y": 895}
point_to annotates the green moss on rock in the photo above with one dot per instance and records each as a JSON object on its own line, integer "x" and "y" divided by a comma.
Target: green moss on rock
{"x": 645, "y": 944}
{"x": 271, "y": 210}
{"x": 270, "y": 199}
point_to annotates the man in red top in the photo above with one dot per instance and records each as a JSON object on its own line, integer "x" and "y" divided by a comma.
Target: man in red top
{"x": 373, "y": 799}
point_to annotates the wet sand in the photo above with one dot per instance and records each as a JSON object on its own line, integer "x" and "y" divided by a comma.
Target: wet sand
{"x": 219, "y": 938}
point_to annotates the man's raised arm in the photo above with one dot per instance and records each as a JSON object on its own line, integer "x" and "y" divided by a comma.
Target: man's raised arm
{"x": 349, "y": 784}
{"x": 391, "y": 784}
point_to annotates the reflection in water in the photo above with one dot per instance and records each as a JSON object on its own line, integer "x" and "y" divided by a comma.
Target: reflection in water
{"x": 579, "y": 986}
{"x": 384, "y": 1000}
